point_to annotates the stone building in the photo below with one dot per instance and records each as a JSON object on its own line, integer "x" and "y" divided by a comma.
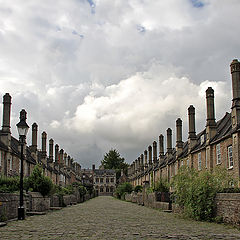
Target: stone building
{"x": 216, "y": 145}
{"x": 104, "y": 181}
{"x": 61, "y": 168}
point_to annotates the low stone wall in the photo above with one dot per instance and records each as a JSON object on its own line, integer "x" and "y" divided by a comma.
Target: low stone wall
{"x": 38, "y": 203}
{"x": 148, "y": 200}
{"x": 69, "y": 199}
{"x": 9, "y": 203}
{"x": 228, "y": 207}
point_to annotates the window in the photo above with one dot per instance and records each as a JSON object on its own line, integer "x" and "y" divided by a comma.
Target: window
{"x": 112, "y": 179}
{"x": 199, "y": 161}
{"x": 218, "y": 153}
{"x": 101, "y": 189}
{"x": 206, "y": 159}
{"x": 107, "y": 189}
{"x": 202, "y": 139}
{"x": 10, "y": 163}
{"x": 181, "y": 163}
{"x": 111, "y": 189}
{"x": 230, "y": 158}
{"x": 188, "y": 162}
{"x": 107, "y": 180}
{"x": 97, "y": 180}
{"x": 101, "y": 180}
{"x": 0, "y": 159}
{"x": 19, "y": 165}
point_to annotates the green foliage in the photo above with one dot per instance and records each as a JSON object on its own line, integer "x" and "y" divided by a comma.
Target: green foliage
{"x": 195, "y": 191}
{"x": 123, "y": 188}
{"x": 138, "y": 188}
{"x": 162, "y": 186}
{"x": 113, "y": 160}
{"x": 9, "y": 184}
{"x": 38, "y": 182}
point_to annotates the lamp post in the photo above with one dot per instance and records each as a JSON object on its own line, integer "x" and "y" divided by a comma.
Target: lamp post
{"x": 22, "y": 128}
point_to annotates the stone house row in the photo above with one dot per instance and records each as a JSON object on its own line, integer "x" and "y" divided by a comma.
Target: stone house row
{"x": 60, "y": 167}
{"x": 216, "y": 145}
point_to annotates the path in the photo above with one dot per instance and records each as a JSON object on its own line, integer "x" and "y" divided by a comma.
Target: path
{"x": 109, "y": 218}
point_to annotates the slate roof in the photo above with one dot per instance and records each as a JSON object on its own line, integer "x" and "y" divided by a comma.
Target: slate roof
{"x": 103, "y": 171}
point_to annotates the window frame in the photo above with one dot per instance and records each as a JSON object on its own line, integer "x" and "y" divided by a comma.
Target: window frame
{"x": 230, "y": 161}
{"x": 199, "y": 161}
{"x": 218, "y": 153}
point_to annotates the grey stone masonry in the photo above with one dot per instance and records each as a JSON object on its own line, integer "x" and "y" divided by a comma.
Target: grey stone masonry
{"x": 109, "y": 218}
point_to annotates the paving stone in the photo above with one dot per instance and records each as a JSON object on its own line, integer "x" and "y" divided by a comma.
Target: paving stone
{"x": 109, "y": 218}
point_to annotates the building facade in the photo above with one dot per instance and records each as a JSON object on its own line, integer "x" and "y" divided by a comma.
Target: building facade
{"x": 104, "y": 181}
{"x": 60, "y": 167}
{"x": 216, "y": 145}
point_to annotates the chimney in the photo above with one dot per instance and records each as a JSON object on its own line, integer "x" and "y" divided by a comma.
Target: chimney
{"x": 179, "y": 142}
{"x": 61, "y": 158}
{"x": 145, "y": 159}
{"x": 44, "y": 144}
{"x": 69, "y": 161}
{"x": 34, "y": 137}
{"x": 93, "y": 167}
{"x": 154, "y": 152}
{"x": 139, "y": 166}
{"x": 6, "y": 113}
{"x": 169, "y": 140}
{"x": 211, "y": 123}
{"x": 5, "y": 135}
{"x": 65, "y": 159}
{"x": 192, "y": 138}
{"x": 150, "y": 155}
{"x": 141, "y": 163}
{"x": 161, "y": 147}
{"x": 56, "y": 154}
{"x": 235, "y": 71}
{"x": 51, "y": 142}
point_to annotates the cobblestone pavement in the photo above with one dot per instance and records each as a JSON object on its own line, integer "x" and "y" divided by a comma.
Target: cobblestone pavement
{"x": 109, "y": 218}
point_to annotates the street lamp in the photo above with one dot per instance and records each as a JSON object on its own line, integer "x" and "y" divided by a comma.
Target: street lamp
{"x": 22, "y": 128}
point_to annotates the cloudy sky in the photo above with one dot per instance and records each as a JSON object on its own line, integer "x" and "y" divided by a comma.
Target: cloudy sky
{"x": 102, "y": 74}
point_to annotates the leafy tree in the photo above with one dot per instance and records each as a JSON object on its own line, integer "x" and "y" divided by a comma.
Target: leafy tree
{"x": 113, "y": 160}
{"x": 38, "y": 182}
{"x": 123, "y": 188}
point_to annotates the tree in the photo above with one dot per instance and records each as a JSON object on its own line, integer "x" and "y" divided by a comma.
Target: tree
{"x": 113, "y": 160}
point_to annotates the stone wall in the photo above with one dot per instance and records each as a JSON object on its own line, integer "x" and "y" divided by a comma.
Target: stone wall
{"x": 9, "y": 203}
{"x": 228, "y": 207}
{"x": 38, "y": 203}
{"x": 148, "y": 200}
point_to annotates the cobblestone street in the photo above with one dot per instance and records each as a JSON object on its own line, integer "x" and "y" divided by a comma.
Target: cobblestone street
{"x": 109, "y": 218}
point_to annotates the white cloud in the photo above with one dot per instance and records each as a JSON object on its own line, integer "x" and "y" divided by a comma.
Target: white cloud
{"x": 119, "y": 75}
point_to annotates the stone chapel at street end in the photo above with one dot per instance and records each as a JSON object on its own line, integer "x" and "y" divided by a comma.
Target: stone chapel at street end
{"x": 216, "y": 145}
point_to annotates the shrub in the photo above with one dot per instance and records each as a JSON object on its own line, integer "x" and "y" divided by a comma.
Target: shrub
{"x": 138, "y": 188}
{"x": 38, "y": 182}
{"x": 123, "y": 188}
{"x": 9, "y": 184}
{"x": 162, "y": 186}
{"x": 195, "y": 191}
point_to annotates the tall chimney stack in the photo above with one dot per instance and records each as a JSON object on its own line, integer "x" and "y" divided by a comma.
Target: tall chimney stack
{"x": 179, "y": 142}
{"x": 161, "y": 147}
{"x": 57, "y": 154}
{"x": 141, "y": 162}
{"x": 6, "y": 113}
{"x": 145, "y": 160}
{"x": 154, "y": 152}
{"x": 149, "y": 155}
{"x": 211, "y": 123}
{"x": 191, "y": 122}
{"x": 169, "y": 140}
{"x": 61, "y": 157}
{"x": 235, "y": 71}
{"x": 44, "y": 144}
{"x": 51, "y": 143}
{"x": 34, "y": 137}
